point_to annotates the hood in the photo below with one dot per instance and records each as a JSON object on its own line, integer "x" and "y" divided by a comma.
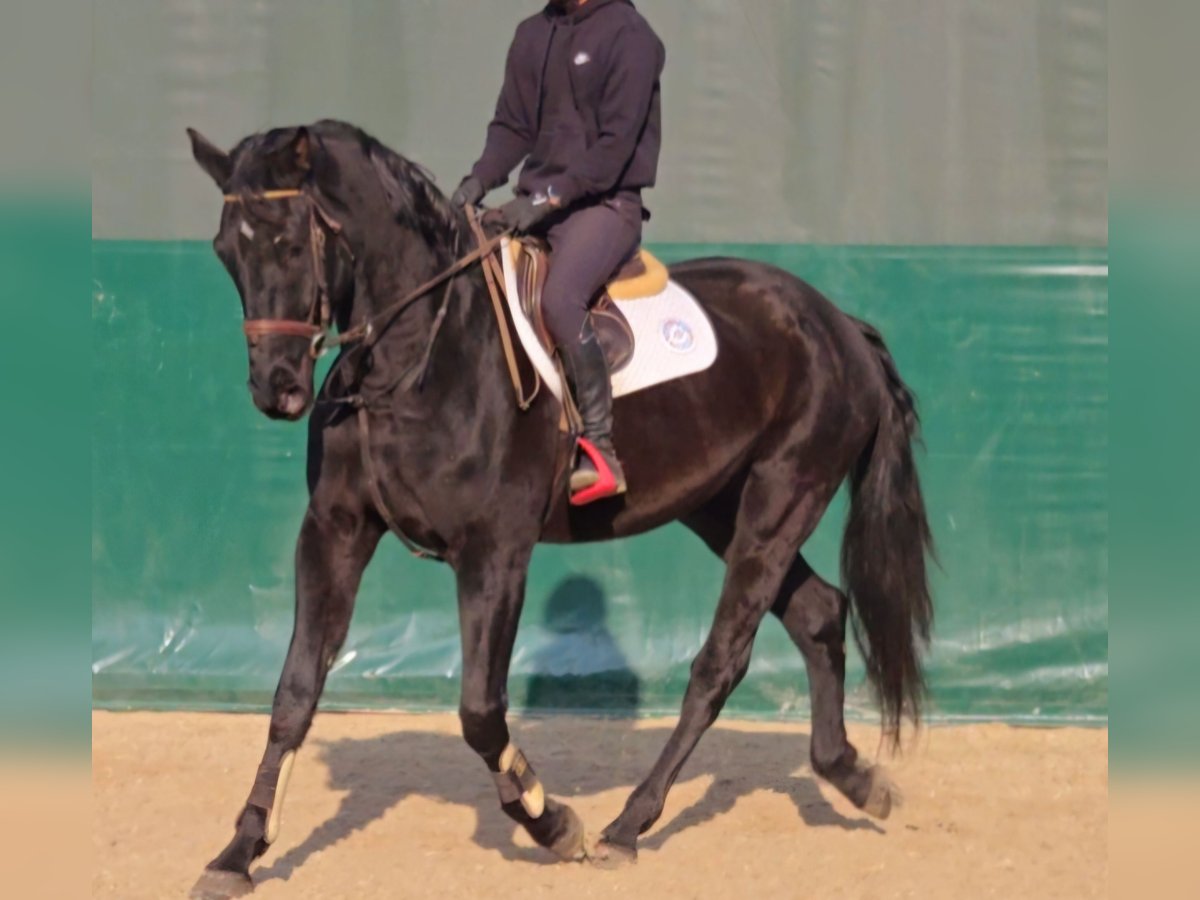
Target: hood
{"x": 588, "y": 9}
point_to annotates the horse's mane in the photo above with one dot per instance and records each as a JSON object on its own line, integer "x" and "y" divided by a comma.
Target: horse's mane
{"x": 415, "y": 198}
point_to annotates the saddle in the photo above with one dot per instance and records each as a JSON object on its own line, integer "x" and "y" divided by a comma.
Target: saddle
{"x": 642, "y": 276}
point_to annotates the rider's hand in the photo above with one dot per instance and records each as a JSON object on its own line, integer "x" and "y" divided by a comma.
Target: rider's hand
{"x": 524, "y": 213}
{"x": 469, "y": 193}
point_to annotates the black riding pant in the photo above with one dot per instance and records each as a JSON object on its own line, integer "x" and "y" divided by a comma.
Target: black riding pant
{"x": 587, "y": 248}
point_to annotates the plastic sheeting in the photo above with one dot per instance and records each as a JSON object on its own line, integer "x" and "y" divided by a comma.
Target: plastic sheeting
{"x": 197, "y": 500}
{"x": 935, "y": 166}
{"x": 831, "y": 121}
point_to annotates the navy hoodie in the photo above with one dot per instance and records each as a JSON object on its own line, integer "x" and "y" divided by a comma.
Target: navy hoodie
{"x": 608, "y": 139}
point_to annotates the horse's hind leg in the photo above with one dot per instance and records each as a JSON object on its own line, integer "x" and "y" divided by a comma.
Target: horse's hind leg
{"x": 813, "y": 612}
{"x": 331, "y": 554}
{"x": 774, "y": 517}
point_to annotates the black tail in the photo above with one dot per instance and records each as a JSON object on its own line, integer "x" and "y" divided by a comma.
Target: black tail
{"x": 884, "y": 551}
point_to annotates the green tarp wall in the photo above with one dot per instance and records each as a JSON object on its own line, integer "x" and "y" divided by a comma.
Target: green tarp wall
{"x": 936, "y": 167}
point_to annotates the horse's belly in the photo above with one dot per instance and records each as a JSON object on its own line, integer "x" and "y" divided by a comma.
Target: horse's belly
{"x": 680, "y": 444}
{"x": 683, "y": 442}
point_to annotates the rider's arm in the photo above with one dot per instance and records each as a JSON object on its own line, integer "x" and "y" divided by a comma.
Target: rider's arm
{"x": 510, "y": 135}
{"x": 634, "y": 69}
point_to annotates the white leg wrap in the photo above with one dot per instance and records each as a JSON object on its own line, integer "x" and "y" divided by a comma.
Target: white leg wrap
{"x": 516, "y": 781}
{"x": 285, "y": 772}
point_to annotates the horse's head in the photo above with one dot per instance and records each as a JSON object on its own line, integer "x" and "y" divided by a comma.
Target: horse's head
{"x": 274, "y": 242}
{"x": 297, "y": 269}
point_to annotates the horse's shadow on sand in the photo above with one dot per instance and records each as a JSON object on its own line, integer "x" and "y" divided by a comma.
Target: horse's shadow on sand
{"x": 379, "y": 772}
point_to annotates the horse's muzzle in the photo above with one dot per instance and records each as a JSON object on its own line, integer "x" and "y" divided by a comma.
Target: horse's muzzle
{"x": 283, "y": 396}
{"x": 292, "y": 404}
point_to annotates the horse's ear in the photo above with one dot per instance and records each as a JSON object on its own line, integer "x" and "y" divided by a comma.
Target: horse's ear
{"x": 301, "y": 150}
{"x": 290, "y": 154}
{"x": 211, "y": 158}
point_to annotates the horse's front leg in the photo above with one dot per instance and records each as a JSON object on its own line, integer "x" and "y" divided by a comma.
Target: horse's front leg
{"x": 333, "y": 550}
{"x": 491, "y": 590}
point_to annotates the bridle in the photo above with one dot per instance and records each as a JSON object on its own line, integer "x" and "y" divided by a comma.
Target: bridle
{"x": 316, "y": 326}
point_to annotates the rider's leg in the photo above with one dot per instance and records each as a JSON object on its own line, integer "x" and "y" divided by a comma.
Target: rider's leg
{"x": 587, "y": 248}
{"x": 597, "y": 465}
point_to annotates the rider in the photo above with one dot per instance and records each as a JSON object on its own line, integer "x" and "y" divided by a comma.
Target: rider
{"x": 580, "y": 104}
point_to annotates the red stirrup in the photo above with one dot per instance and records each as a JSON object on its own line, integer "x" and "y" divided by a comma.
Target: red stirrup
{"x": 606, "y": 486}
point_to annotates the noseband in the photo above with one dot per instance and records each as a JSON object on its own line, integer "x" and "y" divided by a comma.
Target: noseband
{"x": 316, "y": 326}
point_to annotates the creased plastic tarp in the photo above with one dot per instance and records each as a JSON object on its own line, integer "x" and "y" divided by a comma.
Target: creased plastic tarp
{"x": 935, "y": 166}
{"x": 197, "y": 500}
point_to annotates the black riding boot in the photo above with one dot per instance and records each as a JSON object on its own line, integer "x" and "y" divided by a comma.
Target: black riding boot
{"x": 588, "y": 378}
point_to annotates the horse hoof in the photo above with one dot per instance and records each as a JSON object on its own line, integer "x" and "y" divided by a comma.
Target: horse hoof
{"x": 611, "y": 856}
{"x": 883, "y": 795}
{"x": 572, "y": 846}
{"x": 218, "y": 884}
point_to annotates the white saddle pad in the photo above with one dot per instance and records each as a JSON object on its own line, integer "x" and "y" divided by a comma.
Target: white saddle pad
{"x": 673, "y": 337}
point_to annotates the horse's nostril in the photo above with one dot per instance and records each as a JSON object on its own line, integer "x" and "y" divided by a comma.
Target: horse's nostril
{"x": 291, "y": 403}
{"x": 282, "y": 380}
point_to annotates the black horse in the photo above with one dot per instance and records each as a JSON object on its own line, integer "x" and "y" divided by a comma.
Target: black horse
{"x": 323, "y": 224}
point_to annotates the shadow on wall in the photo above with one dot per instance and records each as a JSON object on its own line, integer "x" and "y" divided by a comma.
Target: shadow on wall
{"x": 580, "y": 666}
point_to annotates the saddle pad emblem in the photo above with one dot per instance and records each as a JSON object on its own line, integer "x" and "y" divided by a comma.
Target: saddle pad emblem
{"x": 678, "y": 335}
{"x": 673, "y": 336}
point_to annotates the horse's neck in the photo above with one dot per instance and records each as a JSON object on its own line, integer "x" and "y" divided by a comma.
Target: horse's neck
{"x": 462, "y": 342}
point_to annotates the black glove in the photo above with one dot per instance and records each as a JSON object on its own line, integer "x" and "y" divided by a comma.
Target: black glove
{"x": 469, "y": 193}
{"x": 524, "y": 213}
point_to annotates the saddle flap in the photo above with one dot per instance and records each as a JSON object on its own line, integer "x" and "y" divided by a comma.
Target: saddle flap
{"x": 533, "y": 266}
{"x": 674, "y": 335}
{"x": 614, "y": 333}
{"x": 532, "y": 259}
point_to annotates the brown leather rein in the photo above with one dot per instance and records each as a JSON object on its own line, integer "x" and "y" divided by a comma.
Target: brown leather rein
{"x": 316, "y": 327}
